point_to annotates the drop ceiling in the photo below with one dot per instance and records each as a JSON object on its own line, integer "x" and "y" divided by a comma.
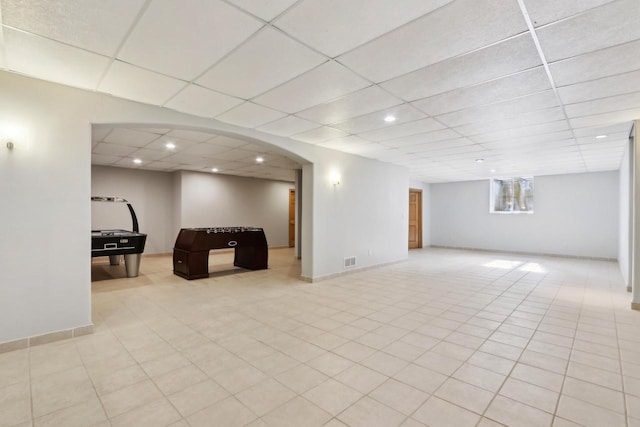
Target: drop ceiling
{"x": 525, "y": 85}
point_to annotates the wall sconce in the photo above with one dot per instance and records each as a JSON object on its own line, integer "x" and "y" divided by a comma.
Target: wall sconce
{"x": 335, "y": 178}
{"x": 10, "y": 145}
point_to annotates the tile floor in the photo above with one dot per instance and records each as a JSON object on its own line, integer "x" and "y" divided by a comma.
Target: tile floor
{"x": 448, "y": 338}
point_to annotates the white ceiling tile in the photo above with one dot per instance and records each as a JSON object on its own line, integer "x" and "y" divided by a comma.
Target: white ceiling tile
{"x": 127, "y": 81}
{"x": 405, "y": 129}
{"x": 521, "y": 120}
{"x": 611, "y": 137}
{"x": 324, "y": 83}
{"x": 502, "y": 89}
{"x": 202, "y": 102}
{"x": 267, "y": 60}
{"x": 319, "y": 135}
{"x": 159, "y": 131}
{"x": 127, "y": 162}
{"x": 603, "y": 147}
{"x": 94, "y": 25}
{"x": 457, "y": 28}
{"x": 522, "y": 132}
{"x": 98, "y": 133}
{"x": 332, "y": 30}
{"x": 162, "y": 166}
{"x": 191, "y": 135}
{"x": 358, "y": 103}
{"x": 228, "y": 141}
{"x": 595, "y": 65}
{"x": 500, "y": 110}
{"x": 604, "y": 105}
{"x": 603, "y": 130}
{"x": 288, "y": 126}
{"x": 188, "y": 159}
{"x": 113, "y": 149}
{"x": 498, "y": 60}
{"x": 601, "y": 88}
{"x": 236, "y": 155}
{"x": 104, "y": 159}
{"x": 250, "y": 115}
{"x": 403, "y": 113}
{"x": 423, "y": 138}
{"x": 148, "y": 155}
{"x": 130, "y": 137}
{"x": 161, "y": 144}
{"x": 617, "y": 117}
{"x": 543, "y": 12}
{"x": 184, "y": 41}
{"x": 519, "y": 140}
{"x": 264, "y": 9}
{"x": 46, "y": 59}
{"x": 205, "y": 149}
{"x": 596, "y": 29}
{"x": 438, "y": 145}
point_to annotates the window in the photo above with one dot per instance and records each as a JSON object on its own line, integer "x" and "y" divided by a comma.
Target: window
{"x": 512, "y": 195}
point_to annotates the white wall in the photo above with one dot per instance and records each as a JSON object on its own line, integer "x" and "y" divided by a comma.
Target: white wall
{"x": 45, "y": 188}
{"x": 365, "y": 216}
{"x": 426, "y": 210}
{"x": 151, "y": 195}
{"x": 575, "y": 214}
{"x": 217, "y": 200}
{"x": 624, "y": 233}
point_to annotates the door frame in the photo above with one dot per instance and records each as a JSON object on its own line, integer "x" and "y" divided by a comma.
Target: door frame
{"x": 419, "y": 216}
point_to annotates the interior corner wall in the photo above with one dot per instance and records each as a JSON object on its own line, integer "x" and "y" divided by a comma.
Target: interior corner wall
{"x": 426, "y": 218}
{"x": 212, "y": 200}
{"x": 624, "y": 233}
{"x": 151, "y": 195}
{"x": 364, "y": 216}
{"x": 574, "y": 214}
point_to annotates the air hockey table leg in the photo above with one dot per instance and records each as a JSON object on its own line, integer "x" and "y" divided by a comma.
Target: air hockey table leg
{"x": 114, "y": 259}
{"x": 132, "y": 264}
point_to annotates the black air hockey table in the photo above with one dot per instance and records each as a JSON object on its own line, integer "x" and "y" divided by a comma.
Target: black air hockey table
{"x": 113, "y": 243}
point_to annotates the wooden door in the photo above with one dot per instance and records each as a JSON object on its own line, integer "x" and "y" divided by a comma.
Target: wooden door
{"x": 415, "y": 219}
{"x": 292, "y": 218}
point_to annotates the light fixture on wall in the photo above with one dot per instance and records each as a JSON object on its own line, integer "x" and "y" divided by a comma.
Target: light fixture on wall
{"x": 10, "y": 145}
{"x": 335, "y": 178}
{"x": 214, "y": 169}
{"x": 259, "y": 159}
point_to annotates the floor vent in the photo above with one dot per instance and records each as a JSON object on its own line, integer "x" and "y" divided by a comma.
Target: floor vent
{"x": 349, "y": 262}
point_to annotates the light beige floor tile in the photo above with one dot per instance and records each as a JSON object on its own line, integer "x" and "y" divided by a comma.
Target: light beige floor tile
{"x": 594, "y": 394}
{"x": 334, "y": 422}
{"x": 361, "y": 378}
{"x": 422, "y": 341}
{"x": 266, "y": 396}
{"x": 543, "y": 361}
{"x": 301, "y": 378}
{"x": 369, "y": 413}
{"x": 587, "y": 414}
{"x": 14, "y": 367}
{"x": 491, "y": 362}
{"x": 330, "y": 364}
{"x": 332, "y": 396}
{"x": 55, "y": 357}
{"x": 177, "y": 380}
{"x": 530, "y": 394}
{"x": 436, "y": 412}
{"x": 399, "y": 396}
{"x": 128, "y": 398}
{"x": 228, "y": 412}
{"x": 295, "y": 413}
{"x": 239, "y": 379}
{"x": 60, "y": 390}
{"x": 486, "y": 422}
{"x": 164, "y": 364}
{"x": 275, "y": 363}
{"x": 633, "y": 406}
{"x": 537, "y": 376}
{"x": 595, "y": 375}
{"x": 502, "y": 350}
{"x": 438, "y": 362}
{"x": 157, "y": 413}
{"x": 561, "y": 422}
{"x": 596, "y": 361}
{"x": 15, "y": 404}
{"x": 512, "y": 413}
{"x": 465, "y": 395}
{"x": 110, "y": 382}
{"x": 87, "y": 413}
{"x": 197, "y": 397}
{"x": 421, "y": 378}
{"x": 403, "y": 350}
{"x": 354, "y": 351}
{"x": 479, "y": 377}
{"x": 632, "y": 386}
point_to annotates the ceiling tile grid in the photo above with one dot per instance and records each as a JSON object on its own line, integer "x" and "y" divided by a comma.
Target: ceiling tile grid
{"x": 455, "y": 79}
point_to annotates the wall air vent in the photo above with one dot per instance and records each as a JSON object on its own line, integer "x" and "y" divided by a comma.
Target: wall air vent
{"x": 349, "y": 262}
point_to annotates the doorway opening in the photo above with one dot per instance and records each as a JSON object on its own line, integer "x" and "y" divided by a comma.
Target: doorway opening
{"x": 415, "y": 218}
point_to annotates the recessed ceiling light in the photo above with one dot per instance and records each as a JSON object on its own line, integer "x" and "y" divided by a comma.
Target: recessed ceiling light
{"x": 170, "y": 145}
{"x": 214, "y": 169}
{"x": 492, "y": 171}
{"x": 390, "y": 119}
{"x": 479, "y": 160}
{"x": 601, "y": 136}
{"x": 259, "y": 159}
{"x": 137, "y": 161}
